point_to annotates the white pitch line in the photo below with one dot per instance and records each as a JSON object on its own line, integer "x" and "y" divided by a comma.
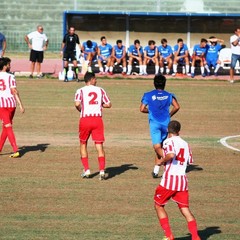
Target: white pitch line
{"x": 223, "y": 141}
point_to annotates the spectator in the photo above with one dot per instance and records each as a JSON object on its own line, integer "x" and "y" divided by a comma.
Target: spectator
{"x": 38, "y": 42}
{"x": 181, "y": 57}
{"x": 166, "y": 55}
{"x": 199, "y": 55}
{"x": 68, "y": 50}
{"x": 3, "y": 45}
{"x": 150, "y": 57}
{"x": 104, "y": 55}
{"x": 135, "y": 54}
{"x": 119, "y": 56}
{"x": 212, "y": 54}
{"x": 235, "y": 47}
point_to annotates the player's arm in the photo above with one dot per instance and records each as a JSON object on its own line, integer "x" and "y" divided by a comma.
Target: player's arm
{"x": 46, "y": 45}
{"x": 168, "y": 157}
{"x": 175, "y": 107}
{"x": 18, "y": 99}
{"x": 113, "y": 55}
{"x": 143, "y": 108}
{"x": 4, "y": 46}
{"x": 107, "y": 105}
{"x": 78, "y": 106}
{"x": 27, "y": 40}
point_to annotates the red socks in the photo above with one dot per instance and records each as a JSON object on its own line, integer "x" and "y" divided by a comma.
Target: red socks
{"x": 101, "y": 161}
{"x": 85, "y": 163}
{"x": 192, "y": 227}
{"x": 3, "y": 137}
{"x": 8, "y": 131}
{"x": 166, "y": 227}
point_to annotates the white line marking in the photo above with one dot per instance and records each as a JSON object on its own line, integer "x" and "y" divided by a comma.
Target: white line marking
{"x": 223, "y": 141}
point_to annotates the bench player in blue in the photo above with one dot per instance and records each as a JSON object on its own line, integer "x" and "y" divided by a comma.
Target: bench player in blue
{"x": 181, "y": 56}
{"x": 166, "y": 55}
{"x": 150, "y": 57}
{"x": 156, "y": 104}
{"x": 119, "y": 57}
{"x": 199, "y": 54}
{"x": 104, "y": 55}
{"x": 215, "y": 45}
{"x": 89, "y": 51}
{"x": 135, "y": 53}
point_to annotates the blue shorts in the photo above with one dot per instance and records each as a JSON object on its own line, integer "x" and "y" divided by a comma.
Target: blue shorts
{"x": 234, "y": 59}
{"x": 212, "y": 62}
{"x": 158, "y": 132}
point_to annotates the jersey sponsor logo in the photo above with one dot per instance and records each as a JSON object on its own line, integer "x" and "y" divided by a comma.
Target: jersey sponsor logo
{"x": 154, "y": 97}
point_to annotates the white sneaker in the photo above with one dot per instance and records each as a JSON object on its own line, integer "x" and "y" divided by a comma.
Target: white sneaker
{"x": 102, "y": 175}
{"x": 86, "y": 174}
{"x": 231, "y": 81}
{"x": 128, "y": 73}
{"x": 173, "y": 74}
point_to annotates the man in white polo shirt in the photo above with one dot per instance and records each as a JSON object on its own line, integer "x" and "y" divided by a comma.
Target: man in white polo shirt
{"x": 37, "y": 41}
{"x": 235, "y": 47}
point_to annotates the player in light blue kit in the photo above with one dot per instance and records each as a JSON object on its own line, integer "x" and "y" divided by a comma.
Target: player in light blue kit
{"x": 199, "y": 54}
{"x": 119, "y": 57}
{"x": 212, "y": 54}
{"x": 166, "y": 55}
{"x": 181, "y": 56}
{"x": 135, "y": 53}
{"x": 157, "y": 104}
{"x": 89, "y": 51}
{"x": 150, "y": 57}
{"x": 104, "y": 55}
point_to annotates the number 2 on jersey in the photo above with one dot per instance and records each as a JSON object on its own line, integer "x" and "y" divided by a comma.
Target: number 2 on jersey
{"x": 93, "y": 97}
{"x": 180, "y": 156}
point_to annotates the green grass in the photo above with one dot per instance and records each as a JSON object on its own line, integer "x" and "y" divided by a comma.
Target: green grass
{"x": 43, "y": 197}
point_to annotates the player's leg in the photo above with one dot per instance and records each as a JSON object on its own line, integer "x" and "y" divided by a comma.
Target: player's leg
{"x": 193, "y": 66}
{"x": 161, "y": 64}
{"x": 156, "y": 65}
{"x": 161, "y": 197}
{"x": 216, "y": 67}
{"x": 100, "y": 65}
{"x": 202, "y": 64}
{"x": 124, "y": 64}
{"x": 130, "y": 60}
{"x": 144, "y": 67}
{"x": 187, "y": 63}
{"x": 140, "y": 60}
{"x": 33, "y": 61}
{"x": 75, "y": 65}
{"x": 207, "y": 65}
{"x": 110, "y": 64}
{"x": 39, "y": 63}
{"x": 169, "y": 65}
{"x": 175, "y": 64}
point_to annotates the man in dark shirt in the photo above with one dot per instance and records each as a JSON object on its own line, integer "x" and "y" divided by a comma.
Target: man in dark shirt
{"x": 69, "y": 44}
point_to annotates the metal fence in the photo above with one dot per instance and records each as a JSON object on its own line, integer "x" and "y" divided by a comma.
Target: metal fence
{"x": 16, "y": 42}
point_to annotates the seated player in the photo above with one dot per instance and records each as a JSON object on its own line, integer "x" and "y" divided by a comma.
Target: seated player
{"x": 104, "y": 55}
{"x": 199, "y": 55}
{"x": 181, "y": 56}
{"x": 150, "y": 57}
{"x": 119, "y": 57}
{"x": 89, "y": 51}
{"x": 165, "y": 54}
{"x": 212, "y": 54}
{"x": 135, "y": 53}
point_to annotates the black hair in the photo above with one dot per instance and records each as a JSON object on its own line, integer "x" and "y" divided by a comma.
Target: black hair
{"x": 89, "y": 43}
{"x": 136, "y": 41}
{"x": 203, "y": 40}
{"x": 151, "y": 42}
{"x": 164, "y": 40}
{"x": 4, "y": 61}
{"x": 88, "y": 76}
{"x": 118, "y": 41}
{"x": 179, "y": 40}
{"x": 174, "y": 127}
{"x": 103, "y": 37}
{"x": 159, "y": 81}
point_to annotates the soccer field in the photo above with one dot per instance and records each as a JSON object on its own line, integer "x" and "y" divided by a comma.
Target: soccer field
{"x": 42, "y": 195}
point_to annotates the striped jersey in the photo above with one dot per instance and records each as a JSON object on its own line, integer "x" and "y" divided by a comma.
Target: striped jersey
{"x": 7, "y": 99}
{"x": 174, "y": 176}
{"x": 91, "y": 98}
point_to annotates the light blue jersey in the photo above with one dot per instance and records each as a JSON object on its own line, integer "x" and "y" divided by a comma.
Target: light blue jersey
{"x": 213, "y": 51}
{"x": 105, "y": 50}
{"x": 158, "y": 102}
{"x": 150, "y": 52}
{"x": 132, "y": 49}
{"x": 2, "y": 39}
{"x": 182, "y": 51}
{"x": 165, "y": 51}
{"x": 119, "y": 51}
{"x": 89, "y": 50}
{"x": 200, "y": 50}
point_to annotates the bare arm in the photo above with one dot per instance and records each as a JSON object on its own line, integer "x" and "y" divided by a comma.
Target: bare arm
{"x": 78, "y": 106}
{"x": 107, "y": 105}
{"x": 27, "y": 40}
{"x": 18, "y": 99}
{"x": 143, "y": 108}
{"x": 167, "y": 158}
{"x": 175, "y": 108}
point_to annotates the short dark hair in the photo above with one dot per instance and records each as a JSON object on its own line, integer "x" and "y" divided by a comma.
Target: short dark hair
{"x": 4, "y": 61}
{"x": 164, "y": 40}
{"x": 89, "y": 43}
{"x": 103, "y": 37}
{"x": 151, "y": 42}
{"x": 88, "y": 76}
{"x": 136, "y": 41}
{"x": 174, "y": 127}
{"x": 159, "y": 81}
{"x": 118, "y": 41}
{"x": 203, "y": 40}
{"x": 179, "y": 40}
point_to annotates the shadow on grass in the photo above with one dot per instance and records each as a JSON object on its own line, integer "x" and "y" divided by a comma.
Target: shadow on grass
{"x": 39, "y": 147}
{"x": 204, "y": 234}
{"x": 193, "y": 168}
{"x": 114, "y": 171}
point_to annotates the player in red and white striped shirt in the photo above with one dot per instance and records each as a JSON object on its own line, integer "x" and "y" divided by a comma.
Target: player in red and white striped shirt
{"x": 9, "y": 98}
{"x": 89, "y": 101}
{"x": 174, "y": 184}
